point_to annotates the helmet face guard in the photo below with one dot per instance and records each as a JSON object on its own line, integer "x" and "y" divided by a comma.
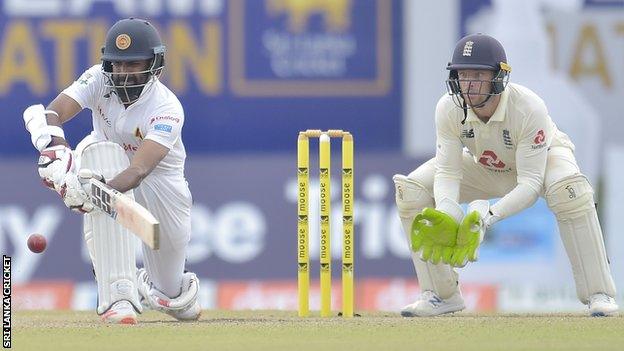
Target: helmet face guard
{"x": 129, "y": 90}
{"x": 132, "y": 40}
{"x": 498, "y": 84}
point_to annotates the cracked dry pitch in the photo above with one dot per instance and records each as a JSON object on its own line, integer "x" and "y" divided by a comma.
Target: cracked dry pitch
{"x": 277, "y": 330}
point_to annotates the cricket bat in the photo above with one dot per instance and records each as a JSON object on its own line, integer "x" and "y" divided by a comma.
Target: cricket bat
{"x": 126, "y": 212}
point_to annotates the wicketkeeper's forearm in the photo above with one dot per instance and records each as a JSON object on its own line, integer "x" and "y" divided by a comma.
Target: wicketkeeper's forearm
{"x": 521, "y": 197}
{"x": 446, "y": 188}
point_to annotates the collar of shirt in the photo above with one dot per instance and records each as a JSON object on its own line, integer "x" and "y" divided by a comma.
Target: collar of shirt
{"x": 499, "y": 114}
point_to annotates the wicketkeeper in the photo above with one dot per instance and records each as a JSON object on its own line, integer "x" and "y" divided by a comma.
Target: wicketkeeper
{"x": 136, "y": 145}
{"x": 495, "y": 140}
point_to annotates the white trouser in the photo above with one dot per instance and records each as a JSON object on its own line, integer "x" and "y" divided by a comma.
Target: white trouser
{"x": 576, "y": 217}
{"x": 168, "y": 198}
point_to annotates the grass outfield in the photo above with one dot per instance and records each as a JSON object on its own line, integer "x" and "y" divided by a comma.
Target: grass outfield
{"x": 278, "y": 330}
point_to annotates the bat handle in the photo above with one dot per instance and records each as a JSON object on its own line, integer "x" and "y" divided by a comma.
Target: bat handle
{"x": 85, "y": 174}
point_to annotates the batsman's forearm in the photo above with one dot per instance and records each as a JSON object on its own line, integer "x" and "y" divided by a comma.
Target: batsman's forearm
{"x": 58, "y": 141}
{"x": 127, "y": 180}
{"x": 55, "y": 120}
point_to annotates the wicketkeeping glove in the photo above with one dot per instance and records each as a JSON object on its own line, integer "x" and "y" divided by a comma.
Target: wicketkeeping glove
{"x": 471, "y": 232}
{"x": 434, "y": 232}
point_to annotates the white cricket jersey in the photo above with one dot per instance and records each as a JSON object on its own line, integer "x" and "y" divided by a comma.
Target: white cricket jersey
{"x": 514, "y": 141}
{"x": 157, "y": 115}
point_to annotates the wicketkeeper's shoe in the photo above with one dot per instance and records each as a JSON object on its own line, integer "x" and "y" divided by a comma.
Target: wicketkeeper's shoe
{"x": 121, "y": 312}
{"x": 602, "y": 305}
{"x": 429, "y": 304}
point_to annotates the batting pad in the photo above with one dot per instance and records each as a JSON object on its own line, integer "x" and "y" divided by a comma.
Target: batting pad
{"x": 111, "y": 247}
{"x": 572, "y": 201}
{"x": 411, "y": 199}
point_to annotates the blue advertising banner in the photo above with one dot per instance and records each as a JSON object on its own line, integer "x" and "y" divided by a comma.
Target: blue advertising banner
{"x": 244, "y": 237}
{"x": 244, "y": 222}
{"x": 250, "y": 74}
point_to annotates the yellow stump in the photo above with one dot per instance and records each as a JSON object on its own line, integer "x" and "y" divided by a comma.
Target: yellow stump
{"x": 348, "y": 202}
{"x": 347, "y": 225}
{"x": 303, "y": 259}
{"x": 325, "y": 254}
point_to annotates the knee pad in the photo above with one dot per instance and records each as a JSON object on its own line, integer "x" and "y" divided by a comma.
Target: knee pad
{"x": 411, "y": 197}
{"x": 570, "y": 195}
{"x": 87, "y": 230}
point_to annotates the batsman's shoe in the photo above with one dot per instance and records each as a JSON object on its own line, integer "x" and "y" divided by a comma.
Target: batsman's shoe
{"x": 191, "y": 313}
{"x": 602, "y": 305}
{"x": 121, "y": 312}
{"x": 184, "y": 307}
{"x": 429, "y": 305}
{"x": 143, "y": 287}
{"x": 187, "y": 311}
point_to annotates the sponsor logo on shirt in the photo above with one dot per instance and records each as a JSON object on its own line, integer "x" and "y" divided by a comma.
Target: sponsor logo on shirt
{"x": 164, "y": 118}
{"x": 467, "y": 134}
{"x": 130, "y": 147}
{"x": 86, "y": 78}
{"x": 490, "y": 159}
{"x": 507, "y": 139}
{"x": 103, "y": 116}
{"x": 539, "y": 140}
{"x": 163, "y": 127}
{"x": 539, "y": 137}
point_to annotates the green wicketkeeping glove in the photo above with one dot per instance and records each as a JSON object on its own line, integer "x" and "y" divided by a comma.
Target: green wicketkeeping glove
{"x": 471, "y": 232}
{"x": 468, "y": 240}
{"x": 435, "y": 233}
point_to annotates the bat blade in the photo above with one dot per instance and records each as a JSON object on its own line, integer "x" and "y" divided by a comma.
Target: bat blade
{"x": 127, "y": 212}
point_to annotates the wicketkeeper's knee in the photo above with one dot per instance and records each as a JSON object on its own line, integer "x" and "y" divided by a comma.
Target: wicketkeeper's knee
{"x": 411, "y": 197}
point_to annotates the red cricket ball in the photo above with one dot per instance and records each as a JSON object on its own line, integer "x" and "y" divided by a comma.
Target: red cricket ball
{"x": 37, "y": 243}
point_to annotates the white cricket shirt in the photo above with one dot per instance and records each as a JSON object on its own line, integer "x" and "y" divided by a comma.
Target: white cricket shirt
{"x": 157, "y": 115}
{"x": 514, "y": 142}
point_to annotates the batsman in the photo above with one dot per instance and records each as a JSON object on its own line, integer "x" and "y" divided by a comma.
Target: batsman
{"x": 136, "y": 148}
{"x": 495, "y": 139}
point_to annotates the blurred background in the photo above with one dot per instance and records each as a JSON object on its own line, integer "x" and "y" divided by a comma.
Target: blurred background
{"x": 251, "y": 74}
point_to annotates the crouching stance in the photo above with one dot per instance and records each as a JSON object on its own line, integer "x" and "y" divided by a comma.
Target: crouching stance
{"x": 495, "y": 140}
{"x": 136, "y": 148}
